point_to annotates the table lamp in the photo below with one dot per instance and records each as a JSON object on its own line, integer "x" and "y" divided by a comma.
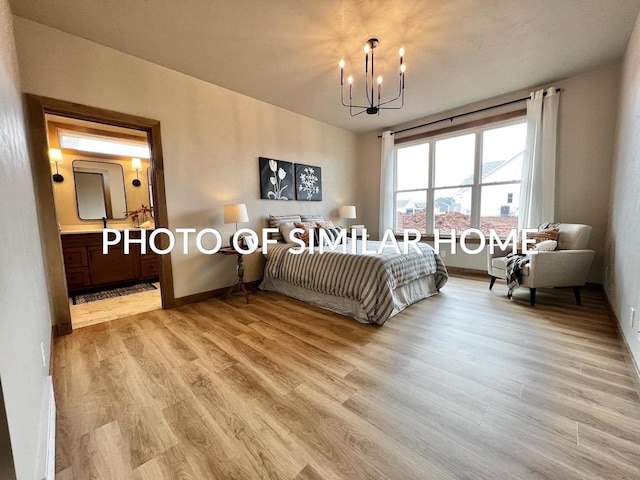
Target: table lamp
{"x": 235, "y": 213}
{"x": 348, "y": 211}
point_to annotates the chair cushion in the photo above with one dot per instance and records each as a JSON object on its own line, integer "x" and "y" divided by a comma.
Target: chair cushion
{"x": 500, "y": 264}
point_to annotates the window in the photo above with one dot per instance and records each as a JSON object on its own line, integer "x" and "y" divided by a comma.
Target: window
{"x": 462, "y": 180}
{"x": 103, "y": 144}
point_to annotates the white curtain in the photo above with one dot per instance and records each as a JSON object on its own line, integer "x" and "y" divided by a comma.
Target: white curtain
{"x": 387, "y": 183}
{"x": 537, "y": 190}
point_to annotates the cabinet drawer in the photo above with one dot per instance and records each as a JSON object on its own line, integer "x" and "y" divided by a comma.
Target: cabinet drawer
{"x": 75, "y": 257}
{"x": 149, "y": 268}
{"x": 150, "y": 255}
{"x": 78, "y": 278}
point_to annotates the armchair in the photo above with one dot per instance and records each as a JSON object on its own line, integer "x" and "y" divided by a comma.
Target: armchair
{"x": 567, "y": 266}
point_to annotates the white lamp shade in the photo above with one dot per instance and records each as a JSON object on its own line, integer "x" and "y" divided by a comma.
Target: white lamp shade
{"x": 235, "y": 213}
{"x": 348, "y": 211}
{"x": 55, "y": 155}
{"x": 136, "y": 164}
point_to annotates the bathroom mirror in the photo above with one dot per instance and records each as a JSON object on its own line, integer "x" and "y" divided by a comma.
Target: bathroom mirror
{"x": 149, "y": 184}
{"x": 99, "y": 190}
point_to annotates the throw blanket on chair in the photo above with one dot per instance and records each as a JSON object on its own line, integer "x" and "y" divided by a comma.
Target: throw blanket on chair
{"x": 515, "y": 264}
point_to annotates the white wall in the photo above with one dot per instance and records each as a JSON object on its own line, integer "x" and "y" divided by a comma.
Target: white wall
{"x": 211, "y": 139}
{"x": 25, "y": 319}
{"x": 622, "y": 281}
{"x": 586, "y": 123}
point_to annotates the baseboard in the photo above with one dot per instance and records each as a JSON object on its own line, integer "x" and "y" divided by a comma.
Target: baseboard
{"x": 208, "y": 295}
{"x": 51, "y": 444}
{"x": 466, "y": 272}
{"x": 47, "y": 459}
{"x": 631, "y": 361}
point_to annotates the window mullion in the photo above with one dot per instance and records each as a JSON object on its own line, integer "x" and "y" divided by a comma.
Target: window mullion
{"x": 477, "y": 180}
{"x": 431, "y": 182}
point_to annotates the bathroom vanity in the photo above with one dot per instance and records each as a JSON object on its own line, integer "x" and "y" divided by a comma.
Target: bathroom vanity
{"x": 87, "y": 268}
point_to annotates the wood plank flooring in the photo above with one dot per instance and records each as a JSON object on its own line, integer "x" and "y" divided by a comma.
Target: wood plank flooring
{"x": 85, "y": 314}
{"x": 466, "y": 384}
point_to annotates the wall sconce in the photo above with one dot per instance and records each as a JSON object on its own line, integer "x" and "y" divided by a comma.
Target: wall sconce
{"x": 136, "y": 164}
{"x": 55, "y": 156}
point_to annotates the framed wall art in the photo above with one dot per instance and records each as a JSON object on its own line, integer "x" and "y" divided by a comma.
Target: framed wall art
{"x": 276, "y": 179}
{"x": 308, "y": 182}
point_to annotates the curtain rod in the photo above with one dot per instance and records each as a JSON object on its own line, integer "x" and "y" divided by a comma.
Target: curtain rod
{"x": 451, "y": 119}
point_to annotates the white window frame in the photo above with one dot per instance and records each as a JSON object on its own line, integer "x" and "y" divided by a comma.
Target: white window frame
{"x": 476, "y": 186}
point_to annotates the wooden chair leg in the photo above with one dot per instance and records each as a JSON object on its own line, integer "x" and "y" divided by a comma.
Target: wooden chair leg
{"x": 493, "y": 280}
{"x": 576, "y": 293}
{"x": 532, "y": 296}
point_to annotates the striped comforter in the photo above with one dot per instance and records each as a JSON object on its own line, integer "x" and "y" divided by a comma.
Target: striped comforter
{"x": 366, "y": 278}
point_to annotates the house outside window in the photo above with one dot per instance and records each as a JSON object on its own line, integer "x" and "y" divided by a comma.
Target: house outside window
{"x": 470, "y": 178}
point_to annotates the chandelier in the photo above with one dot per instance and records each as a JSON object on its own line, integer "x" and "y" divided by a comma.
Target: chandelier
{"x": 374, "y": 98}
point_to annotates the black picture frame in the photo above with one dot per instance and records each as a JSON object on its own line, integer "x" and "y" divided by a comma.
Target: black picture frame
{"x": 276, "y": 179}
{"x": 308, "y": 182}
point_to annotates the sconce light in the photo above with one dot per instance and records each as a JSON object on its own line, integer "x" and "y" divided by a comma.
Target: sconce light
{"x": 55, "y": 156}
{"x": 136, "y": 164}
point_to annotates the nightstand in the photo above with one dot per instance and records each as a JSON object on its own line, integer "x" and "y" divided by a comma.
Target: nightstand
{"x": 239, "y": 286}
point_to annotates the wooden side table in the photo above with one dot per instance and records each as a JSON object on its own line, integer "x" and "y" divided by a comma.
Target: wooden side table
{"x": 239, "y": 287}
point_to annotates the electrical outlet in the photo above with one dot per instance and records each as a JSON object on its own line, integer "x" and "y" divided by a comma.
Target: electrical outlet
{"x": 632, "y": 316}
{"x": 443, "y": 253}
{"x": 44, "y": 358}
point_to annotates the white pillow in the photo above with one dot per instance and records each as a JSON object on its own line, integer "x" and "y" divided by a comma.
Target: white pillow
{"x": 285, "y": 229}
{"x": 545, "y": 246}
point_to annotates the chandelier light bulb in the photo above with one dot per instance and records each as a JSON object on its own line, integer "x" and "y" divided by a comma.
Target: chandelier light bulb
{"x": 379, "y": 80}
{"x": 350, "y": 80}
{"x": 403, "y": 68}
{"x": 366, "y": 48}
{"x": 341, "y": 63}
{"x": 401, "y": 52}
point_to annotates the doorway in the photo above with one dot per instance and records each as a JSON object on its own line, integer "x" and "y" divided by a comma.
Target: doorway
{"x": 71, "y": 243}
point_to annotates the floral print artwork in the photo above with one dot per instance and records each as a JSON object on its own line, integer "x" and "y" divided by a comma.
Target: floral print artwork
{"x": 308, "y": 182}
{"x": 276, "y": 179}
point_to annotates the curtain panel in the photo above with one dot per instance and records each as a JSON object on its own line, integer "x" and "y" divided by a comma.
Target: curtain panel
{"x": 387, "y": 183}
{"x": 537, "y": 189}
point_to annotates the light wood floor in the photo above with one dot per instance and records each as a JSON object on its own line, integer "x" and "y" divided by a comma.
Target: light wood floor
{"x": 85, "y": 314}
{"x": 465, "y": 384}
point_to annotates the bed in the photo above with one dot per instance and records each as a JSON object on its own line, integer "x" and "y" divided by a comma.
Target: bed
{"x": 370, "y": 288}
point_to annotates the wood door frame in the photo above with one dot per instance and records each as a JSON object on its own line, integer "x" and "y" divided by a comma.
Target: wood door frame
{"x": 36, "y": 108}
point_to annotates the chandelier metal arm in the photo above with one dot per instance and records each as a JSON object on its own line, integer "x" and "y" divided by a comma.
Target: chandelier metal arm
{"x": 400, "y": 94}
{"x": 359, "y": 113}
{"x": 372, "y": 108}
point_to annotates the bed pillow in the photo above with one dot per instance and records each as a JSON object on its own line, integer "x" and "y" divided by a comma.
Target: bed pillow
{"x": 307, "y": 227}
{"x": 545, "y": 246}
{"x": 326, "y": 224}
{"x": 276, "y": 220}
{"x": 285, "y": 230}
{"x": 332, "y": 234}
{"x": 312, "y": 218}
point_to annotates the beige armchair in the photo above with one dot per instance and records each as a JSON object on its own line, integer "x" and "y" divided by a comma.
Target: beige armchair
{"x": 567, "y": 266}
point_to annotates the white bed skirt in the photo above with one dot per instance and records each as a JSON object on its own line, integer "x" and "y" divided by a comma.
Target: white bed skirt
{"x": 402, "y": 296}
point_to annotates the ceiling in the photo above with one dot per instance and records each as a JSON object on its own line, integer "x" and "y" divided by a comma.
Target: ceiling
{"x": 286, "y": 52}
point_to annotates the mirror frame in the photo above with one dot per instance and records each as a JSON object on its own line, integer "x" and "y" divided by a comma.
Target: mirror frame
{"x": 124, "y": 189}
